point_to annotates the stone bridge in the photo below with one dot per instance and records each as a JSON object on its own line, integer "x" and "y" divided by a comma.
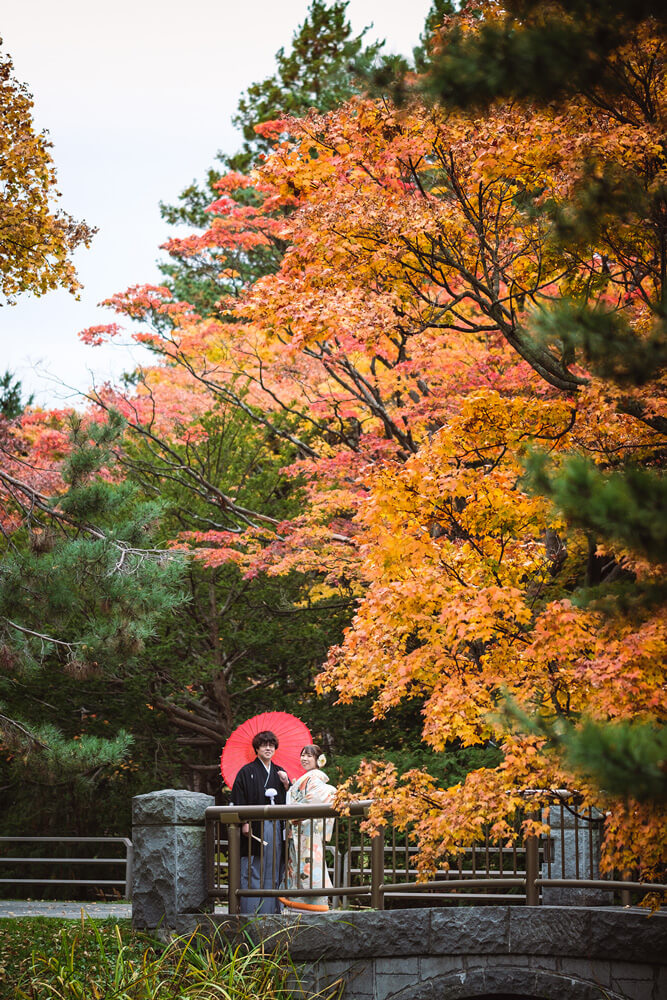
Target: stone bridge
{"x": 509, "y": 952}
{"x": 480, "y": 952}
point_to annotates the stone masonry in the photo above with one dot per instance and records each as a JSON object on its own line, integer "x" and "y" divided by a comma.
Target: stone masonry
{"x": 545, "y": 952}
{"x": 169, "y": 857}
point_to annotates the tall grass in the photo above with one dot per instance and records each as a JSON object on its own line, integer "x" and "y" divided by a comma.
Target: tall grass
{"x": 85, "y": 966}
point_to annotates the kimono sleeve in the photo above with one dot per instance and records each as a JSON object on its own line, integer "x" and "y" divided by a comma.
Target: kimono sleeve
{"x": 318, "y": 791}
{"x": 240, "y": 795}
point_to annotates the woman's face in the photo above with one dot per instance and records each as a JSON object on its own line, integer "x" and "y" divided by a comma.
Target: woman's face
{"x": 308, "y": 761}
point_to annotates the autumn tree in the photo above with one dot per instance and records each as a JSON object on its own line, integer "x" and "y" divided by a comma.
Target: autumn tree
{"x": 36, "y": 238}
{"x": 397, "y": 334}
{"x": 592, "y": 51}
{"x": 396, "y": 354}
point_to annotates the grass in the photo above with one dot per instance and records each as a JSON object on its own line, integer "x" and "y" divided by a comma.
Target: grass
{"x": 43, "y": 958}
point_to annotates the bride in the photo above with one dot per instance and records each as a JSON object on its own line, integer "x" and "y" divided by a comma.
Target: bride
{"x": 306, "y": 864}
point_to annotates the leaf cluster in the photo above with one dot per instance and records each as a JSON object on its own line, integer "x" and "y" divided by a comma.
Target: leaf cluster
{"x": 36, "y": 239}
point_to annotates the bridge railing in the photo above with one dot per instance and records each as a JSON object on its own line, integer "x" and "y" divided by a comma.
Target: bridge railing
{"x": 49, "y": 862}
{"x": 356, "y": 870}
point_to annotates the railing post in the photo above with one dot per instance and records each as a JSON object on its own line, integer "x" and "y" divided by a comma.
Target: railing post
{"x": 210, "y": 841}
{"x": 532, "y": 870}
{"x": 626, "y": 899}
{"x": 377, "y": 869}
{"x": 129, "y": 858}
{"x": 234, "y": 866}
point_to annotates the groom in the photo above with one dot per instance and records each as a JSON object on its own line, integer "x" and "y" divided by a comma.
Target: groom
{"x": 261, "y": 783}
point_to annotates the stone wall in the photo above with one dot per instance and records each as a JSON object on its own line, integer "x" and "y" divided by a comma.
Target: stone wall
{"x": 559, "y": 953}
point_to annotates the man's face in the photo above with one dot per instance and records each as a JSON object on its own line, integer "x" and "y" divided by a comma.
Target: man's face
{"x": 266, "y": 752}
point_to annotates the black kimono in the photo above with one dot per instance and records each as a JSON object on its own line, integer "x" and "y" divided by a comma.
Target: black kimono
{"x": 263, "y": 870}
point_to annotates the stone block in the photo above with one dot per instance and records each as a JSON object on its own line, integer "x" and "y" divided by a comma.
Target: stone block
{"x": 660, "y": 987}
{"x": 431, "y": 966}
{"x": 546, "y": 963}
{"x": 634, "y": 989}
{"x": 168, "y": 877}
{"x": 331, "y": 971}
{"x": 556, "y": 986}
{"x": 510, "y": 979}
{"x": 507, "y": 961}
{"x": 431, "y": 989}
{"x": 576, "y": 854}
{"x": 359, "y": 935}
{"x": 407, "y": 965}
{"x": 597, "y": 971}
{"x": 627, "y": 936}
{"x": 602, "y": 933}
{"x": 170, "y": 806}
{"x": 549, "y": 930}
{"x": 469, "y": 930}
{"x": 360, "y": 979}
{"x": 390, "y": 980}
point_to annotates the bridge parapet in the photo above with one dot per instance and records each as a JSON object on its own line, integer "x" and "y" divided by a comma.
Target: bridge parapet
{"x": 559, "y": 953}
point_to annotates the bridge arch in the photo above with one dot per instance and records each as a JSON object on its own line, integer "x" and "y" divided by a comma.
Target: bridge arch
{"x": 505, "y": 983}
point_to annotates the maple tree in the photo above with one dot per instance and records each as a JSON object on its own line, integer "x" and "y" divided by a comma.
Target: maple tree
{"x": 36, "y": 238}
{"x": 594, "y": 50}
{"x": 413, "y": 351}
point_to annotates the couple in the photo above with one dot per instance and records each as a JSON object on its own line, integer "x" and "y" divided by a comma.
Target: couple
{"x": 263, "y": 782}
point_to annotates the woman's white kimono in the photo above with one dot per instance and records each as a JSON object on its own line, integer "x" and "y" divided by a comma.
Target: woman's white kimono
{"x": 306, "y": 839}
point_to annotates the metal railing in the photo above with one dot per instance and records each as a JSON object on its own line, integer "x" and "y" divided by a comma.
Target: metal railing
{"x": 59, "y": 864}
{"x": 378, "y": 871}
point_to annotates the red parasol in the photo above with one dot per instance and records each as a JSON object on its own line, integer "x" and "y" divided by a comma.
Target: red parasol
{"x": 292, "y": 735}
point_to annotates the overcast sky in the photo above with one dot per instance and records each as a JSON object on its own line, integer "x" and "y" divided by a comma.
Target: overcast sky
{"x": 137, "y": 96}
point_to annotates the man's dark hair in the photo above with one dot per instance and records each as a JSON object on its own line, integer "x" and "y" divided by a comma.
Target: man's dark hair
{"x": 266, "y": 736}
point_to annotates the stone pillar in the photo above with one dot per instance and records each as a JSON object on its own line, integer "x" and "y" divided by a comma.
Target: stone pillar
{"x": 168, "y": 837}
{"x": 572, "y": 836}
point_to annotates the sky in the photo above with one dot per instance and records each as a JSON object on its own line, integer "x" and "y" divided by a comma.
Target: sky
{"x": 137, "y": 97}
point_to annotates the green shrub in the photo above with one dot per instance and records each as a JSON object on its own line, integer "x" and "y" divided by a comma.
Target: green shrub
{"x": 108, "y": 961}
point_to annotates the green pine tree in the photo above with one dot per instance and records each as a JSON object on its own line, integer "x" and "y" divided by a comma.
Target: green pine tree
{"x": 82, "y": 591}
{"x": 12, "y": 403}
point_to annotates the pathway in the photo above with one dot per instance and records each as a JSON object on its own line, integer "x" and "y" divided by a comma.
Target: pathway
{"x": 64, "y": 910}
{"x": 68, "y": 910}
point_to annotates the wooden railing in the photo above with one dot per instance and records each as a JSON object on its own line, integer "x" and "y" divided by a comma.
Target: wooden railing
{"x": 378, "y": 871}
